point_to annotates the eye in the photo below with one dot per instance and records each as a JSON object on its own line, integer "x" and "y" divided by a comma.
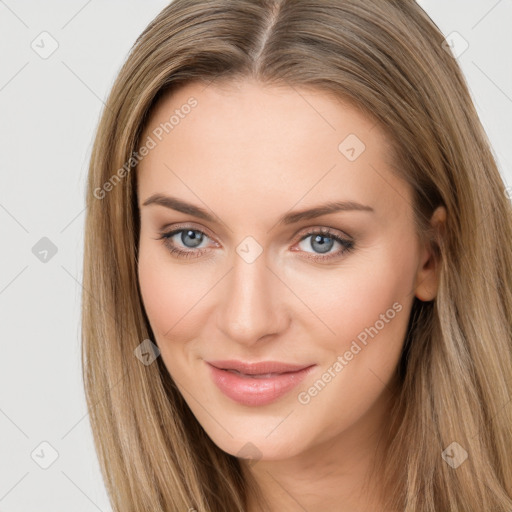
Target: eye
{"x": 186, "y": 243}
{"x": 190, "y": 238}
{"x": 323, "y": 240}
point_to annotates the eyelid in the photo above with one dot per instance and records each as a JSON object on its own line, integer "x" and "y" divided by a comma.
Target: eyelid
{"x": 303, "y": 232}
{"x": 182, "y": 226}
{"x": 324, "y": 230}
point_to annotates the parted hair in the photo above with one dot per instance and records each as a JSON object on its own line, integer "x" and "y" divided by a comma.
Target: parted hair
{"x": 387, "y": 58}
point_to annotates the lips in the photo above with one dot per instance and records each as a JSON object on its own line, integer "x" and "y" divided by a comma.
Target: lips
{"x": 256, "y": 384}
{"x": 258, "y": 368}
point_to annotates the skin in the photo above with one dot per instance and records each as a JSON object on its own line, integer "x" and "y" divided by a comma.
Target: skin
{"x": 249, "y": 153}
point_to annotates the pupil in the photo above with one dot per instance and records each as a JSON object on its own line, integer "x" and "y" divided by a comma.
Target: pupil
{"x": 196, "y": 239}
{"x": 323, "y": 246}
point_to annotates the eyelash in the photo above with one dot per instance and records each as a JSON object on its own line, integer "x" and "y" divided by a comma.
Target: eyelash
{"x": 347, "y": 245}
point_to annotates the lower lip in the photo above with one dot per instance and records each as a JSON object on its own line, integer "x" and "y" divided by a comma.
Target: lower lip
{"x": 256, "y": 391}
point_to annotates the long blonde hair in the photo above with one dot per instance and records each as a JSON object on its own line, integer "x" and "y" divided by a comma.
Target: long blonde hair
{"x": 388, "y": 59}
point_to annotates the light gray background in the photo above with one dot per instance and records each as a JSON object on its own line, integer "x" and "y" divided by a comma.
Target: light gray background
{"x": 49, "y": 111}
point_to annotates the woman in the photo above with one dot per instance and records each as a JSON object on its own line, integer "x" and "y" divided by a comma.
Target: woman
{"x": 297, "y": 267}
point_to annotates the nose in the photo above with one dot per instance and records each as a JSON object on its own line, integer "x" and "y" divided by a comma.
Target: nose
{"x": 251, "y": 302}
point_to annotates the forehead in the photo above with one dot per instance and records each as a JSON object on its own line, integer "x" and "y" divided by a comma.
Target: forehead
{"x": 259, "y": 145}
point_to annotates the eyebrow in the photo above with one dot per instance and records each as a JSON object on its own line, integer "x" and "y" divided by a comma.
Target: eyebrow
{"x": 289, "y": 218}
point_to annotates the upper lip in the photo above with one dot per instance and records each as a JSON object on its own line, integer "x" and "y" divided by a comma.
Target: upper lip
{"x": 257, "y": 368}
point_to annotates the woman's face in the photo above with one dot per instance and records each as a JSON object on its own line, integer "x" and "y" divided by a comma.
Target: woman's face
{"x": 232, "y": 167}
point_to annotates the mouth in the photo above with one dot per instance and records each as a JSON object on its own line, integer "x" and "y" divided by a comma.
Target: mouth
{"x": 254, "y": 376}
{"x": 256, "y": 384}
{"x": 261, "y": 368}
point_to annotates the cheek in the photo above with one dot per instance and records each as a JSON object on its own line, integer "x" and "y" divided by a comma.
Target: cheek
{"x": 177, "y": 300}
{"x": 369, "y": 298}
{"x": 367, "y": 305}
{"x": 169, "y": 292}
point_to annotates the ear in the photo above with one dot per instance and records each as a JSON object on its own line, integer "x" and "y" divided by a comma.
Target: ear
{"x": 427, "y": 278}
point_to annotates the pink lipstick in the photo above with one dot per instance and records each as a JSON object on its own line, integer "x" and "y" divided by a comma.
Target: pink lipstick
{"x": 258, "y": 383}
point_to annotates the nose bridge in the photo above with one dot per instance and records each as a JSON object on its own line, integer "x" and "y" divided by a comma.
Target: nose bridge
{"x": 249, "y": 306}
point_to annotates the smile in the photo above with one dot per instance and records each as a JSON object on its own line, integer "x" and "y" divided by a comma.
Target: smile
{"x": 255, "y": 385}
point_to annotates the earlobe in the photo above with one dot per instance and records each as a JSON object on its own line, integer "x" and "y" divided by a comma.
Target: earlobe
{"x": 427, "y": 278}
